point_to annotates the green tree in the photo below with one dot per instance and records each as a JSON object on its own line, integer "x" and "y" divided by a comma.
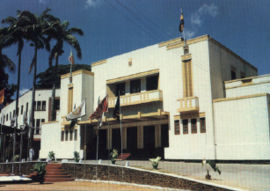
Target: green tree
{"x": 15, "y": 31}
{"x": 6, "y": 62}
{"x": 34, "y": 27}
{"x": 46, "y": 79}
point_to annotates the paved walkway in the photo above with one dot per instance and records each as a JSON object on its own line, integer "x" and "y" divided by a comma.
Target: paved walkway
{"x": 246, "y": 176}
{"x": 74, "y": 186}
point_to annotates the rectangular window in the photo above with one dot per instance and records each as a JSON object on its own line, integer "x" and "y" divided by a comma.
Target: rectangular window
{"x": 21, "y": 109}
{"x": 176, "y": 127}
{"x": 42, "y": 120}
{"x": 66, "y": 135}
{"x": 202, "y": 125}
{"x": 120, "y": 89}
{"x": 75, "y": 135}
{"x": 62, "y": 135}
{"x": 14, "y": 113}
{"x": 57, "y": 103}
{"x": 233, "y": 73}
{"x": 193, "y": 125}
{"x": 71, "y": 135}
{"x": 7, "y": 117}
{"x": 43, "y": 106}
{"x": 185, "y": 126}
{"x": 39, "y": 106}
{"x": 37, "y": 126}
{"x": 10, "y": 116}
{"x": 135, "y": 86}
{"x": 152, "y": 83}
{"x": 26, "y": 109}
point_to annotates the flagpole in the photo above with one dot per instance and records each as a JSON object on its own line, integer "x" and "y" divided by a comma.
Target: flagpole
{"x": 120, "y": 116}
{"x": 97, "y": 132}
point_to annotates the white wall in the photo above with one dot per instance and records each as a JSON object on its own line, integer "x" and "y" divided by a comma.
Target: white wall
{"x": 242, "y": 129}
{"x": 51, "y": 137}
{"x": 258, "y": 84}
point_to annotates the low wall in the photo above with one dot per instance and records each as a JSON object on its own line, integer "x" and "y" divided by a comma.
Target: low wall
{"x": 134, "y": 175}
{"x": 6, "y": 168}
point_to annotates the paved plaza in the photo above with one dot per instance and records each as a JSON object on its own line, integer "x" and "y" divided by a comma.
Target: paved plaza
{"x": 78, "y": 186}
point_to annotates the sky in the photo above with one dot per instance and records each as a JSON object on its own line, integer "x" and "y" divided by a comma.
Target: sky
{"x": 113, "y": 27}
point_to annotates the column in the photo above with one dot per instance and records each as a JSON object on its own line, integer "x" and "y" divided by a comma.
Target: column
{"x": 157, "y": 136}
{"x": 140, "y": 137}
{"x": 124, "y": 137}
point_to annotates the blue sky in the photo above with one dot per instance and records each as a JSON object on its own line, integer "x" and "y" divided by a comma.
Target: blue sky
{"x": 113, "y": 27}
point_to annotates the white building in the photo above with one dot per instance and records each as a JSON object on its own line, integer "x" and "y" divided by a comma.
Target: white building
{"x": 41, "y": 115}
{"x": 179, "y": 102}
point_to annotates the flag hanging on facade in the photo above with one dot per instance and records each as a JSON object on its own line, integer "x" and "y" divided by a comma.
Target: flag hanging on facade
{"x": 71, "y": 58}
{"x": 116, "y": 111}
{"x": 2, "y": 96}
{"x": 77, "y": 113}
{"x": 101, "y": 108}
{"x": 181, "y": 25}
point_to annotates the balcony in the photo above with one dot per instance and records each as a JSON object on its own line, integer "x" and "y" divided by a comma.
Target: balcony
{"x": 137, "y": 98}
{"x": 189, "y": 104}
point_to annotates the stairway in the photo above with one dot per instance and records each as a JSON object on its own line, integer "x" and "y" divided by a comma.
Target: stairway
{"x": 55, "y": 173}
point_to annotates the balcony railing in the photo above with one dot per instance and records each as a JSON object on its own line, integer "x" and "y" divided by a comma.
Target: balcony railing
{"x": 188, "y": 104}
{"x": 137, "y": 98}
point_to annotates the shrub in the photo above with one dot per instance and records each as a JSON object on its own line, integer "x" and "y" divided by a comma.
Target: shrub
{"x": 155, "y": 162}
{"x": 40, "y": 169}
{"x": 113, "y": 155}
{"x": 76, "y": 156}
{"x": 51, "y": 155}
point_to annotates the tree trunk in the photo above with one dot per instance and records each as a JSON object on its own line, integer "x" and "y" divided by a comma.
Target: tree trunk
{"x": 31, "y": 129}
{"x": 53, "y": 111}
{"x": 17, "y": 105}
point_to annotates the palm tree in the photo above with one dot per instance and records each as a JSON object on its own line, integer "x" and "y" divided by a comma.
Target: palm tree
{"x": 15, "y": 35}
{"x": 5, "y": 61}
{"x": 34, "y": 27}
{"x": 61, "y": 32}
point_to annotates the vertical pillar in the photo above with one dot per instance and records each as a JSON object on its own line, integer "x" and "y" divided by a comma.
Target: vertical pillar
{"x": 124, "y": 137}
{"x": 140, "y": 137}
{"x": 143, "y": 84}
{"x": 157, "y": 136}
{"x": 189, "y": 126}
{"x": 70, "y": 97}
{"x": 109, "y": 138}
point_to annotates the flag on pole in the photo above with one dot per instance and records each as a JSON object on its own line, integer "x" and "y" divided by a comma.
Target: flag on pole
{"x": 116, "y": 111}
{"x": 181, "y": 25}
{"x": 71, "y": 58}
{"x": 2, "y": 96}
{"x": 101, "y": 108}
{"x": 78, "y": 112}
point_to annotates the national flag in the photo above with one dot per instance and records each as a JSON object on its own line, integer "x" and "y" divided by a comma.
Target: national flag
{"x": 116, "y": 111}
{"x": 181, "y": 25}
{"x": 71, "y": 58}
{"x": 2, "y": 96}
{"x": 78, "y": 112}
{"x": 101, "y": 108}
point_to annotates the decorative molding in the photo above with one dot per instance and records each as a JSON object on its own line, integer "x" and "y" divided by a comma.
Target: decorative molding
{"x": 178, "y": 44}
{"x": 133, "y": 76}
{"x": 240, "y": 97}
{"x": 186, "y": 57}
{"x": 77, "y": 72}
{"x": 247, "y": 78}
{"x": 144, "y": 97}
{"x": 189, "y": 116}
{"x": 248, "y": 84}
{"x": 98, "y": 63}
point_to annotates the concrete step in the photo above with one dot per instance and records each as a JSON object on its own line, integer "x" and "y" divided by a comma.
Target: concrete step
{"x": 58, "y": 179}
{"x": 57, "y": 176}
